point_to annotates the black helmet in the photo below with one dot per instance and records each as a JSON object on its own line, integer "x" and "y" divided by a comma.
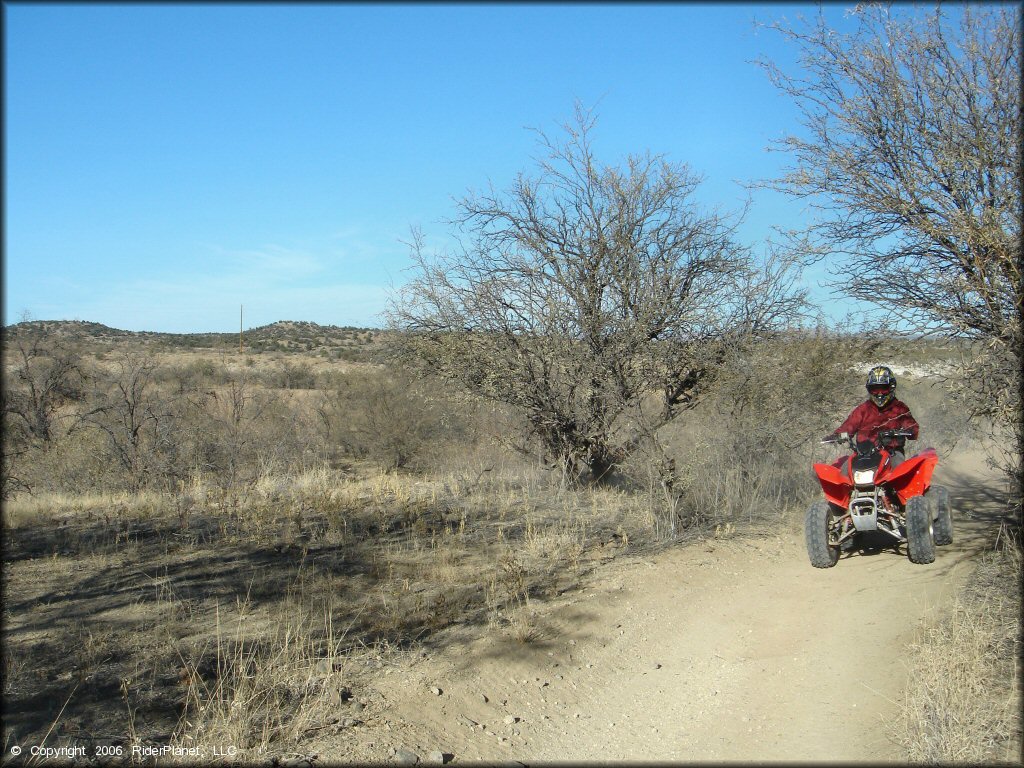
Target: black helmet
{"x": 881, "y": 385}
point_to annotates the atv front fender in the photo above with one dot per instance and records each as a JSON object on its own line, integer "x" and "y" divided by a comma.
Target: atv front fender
{"x": 835, "y": 484}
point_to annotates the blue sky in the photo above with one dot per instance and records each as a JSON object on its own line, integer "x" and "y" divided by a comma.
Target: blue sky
{"x": 168, "y": 163}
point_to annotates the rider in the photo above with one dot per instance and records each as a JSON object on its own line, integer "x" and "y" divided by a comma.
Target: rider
{"x": 880, "y": 411}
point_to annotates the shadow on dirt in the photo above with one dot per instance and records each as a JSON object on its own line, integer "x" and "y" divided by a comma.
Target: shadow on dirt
{"x": 144, "y": 599}
{"x": 540, "y": 637}
{"x": 124, "y": 613}
{"x": 983, "y": 499}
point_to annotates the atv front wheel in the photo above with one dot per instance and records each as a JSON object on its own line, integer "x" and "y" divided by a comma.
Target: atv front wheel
{"x": 920, "y": 535}
{"x": 816, "y": 525}
{"x": 944, "y": 515}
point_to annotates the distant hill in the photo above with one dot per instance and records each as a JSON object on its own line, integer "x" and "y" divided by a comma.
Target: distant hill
{"x": 282, "y": 336}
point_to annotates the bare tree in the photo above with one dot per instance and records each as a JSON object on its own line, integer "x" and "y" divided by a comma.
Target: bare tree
{"x": 16, "y": 445}
{"x": 138, "y": 420}
{"x": 911, "y": 160}
{"x": 47, "y": 375}
{"x": 582, "y": 291}
{"x": 42, "y": 376}
{"x": 230, "y": 427}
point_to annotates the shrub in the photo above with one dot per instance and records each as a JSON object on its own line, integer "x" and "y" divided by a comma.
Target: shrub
{"x": 384, "y": 415}
{"x": 747, "y": 452}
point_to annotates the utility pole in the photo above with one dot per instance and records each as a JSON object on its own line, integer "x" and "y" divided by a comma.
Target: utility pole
{"x": 240, "y": 308}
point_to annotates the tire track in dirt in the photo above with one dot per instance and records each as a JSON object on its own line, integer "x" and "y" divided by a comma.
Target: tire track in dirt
{"x": 724, "y": 650}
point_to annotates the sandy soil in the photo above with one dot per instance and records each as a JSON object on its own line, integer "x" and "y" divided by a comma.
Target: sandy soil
{"x": 729, "y": 649}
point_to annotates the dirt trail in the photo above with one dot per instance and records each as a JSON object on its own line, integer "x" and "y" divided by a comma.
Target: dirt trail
{"x": 731, "y": 650}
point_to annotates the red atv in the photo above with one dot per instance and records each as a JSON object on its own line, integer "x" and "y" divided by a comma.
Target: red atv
{"x": 864, "y": 493}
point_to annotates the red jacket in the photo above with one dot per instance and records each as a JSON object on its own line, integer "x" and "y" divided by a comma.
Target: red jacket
{"x": 867, "y": 419}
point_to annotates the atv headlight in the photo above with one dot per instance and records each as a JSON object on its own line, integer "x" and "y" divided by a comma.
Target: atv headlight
{"x": 864, "y": 477}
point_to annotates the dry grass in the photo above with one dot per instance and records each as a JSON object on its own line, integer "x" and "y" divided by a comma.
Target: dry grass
{"x": 270, "y": 688}
{"x": 59, "y": 507}
{"x": 238, "y": 617}
{"x": 963, "y": 702}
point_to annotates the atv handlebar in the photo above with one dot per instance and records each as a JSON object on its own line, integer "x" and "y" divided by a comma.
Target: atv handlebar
{"x": 888, "y": 434}
{"x": 883, "y": 436}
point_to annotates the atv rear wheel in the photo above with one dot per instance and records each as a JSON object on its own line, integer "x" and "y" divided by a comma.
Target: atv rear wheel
{"x": 944, "y": 515}
{"x": 920, "y": 536}
{"x": 816, "y": 526}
